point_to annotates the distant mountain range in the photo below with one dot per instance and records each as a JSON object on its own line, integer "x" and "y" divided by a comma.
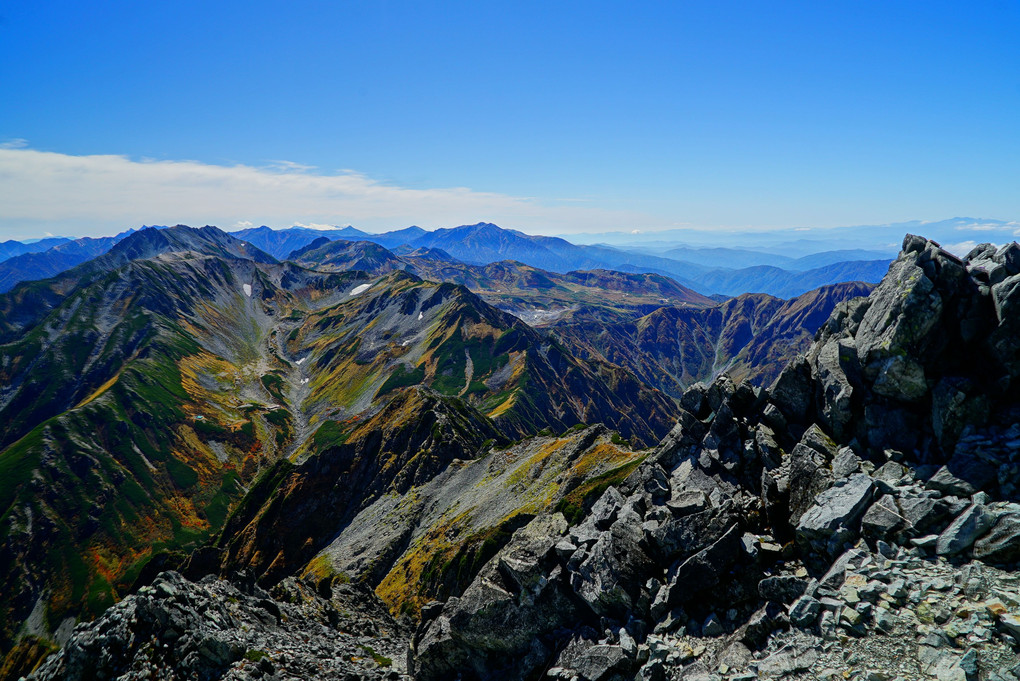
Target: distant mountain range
{"x": 537, "y": 296}
{"x": 718, "y": 271}
{"x": 741, "y": 258}
{"x": 702, "y": 270}
{"x": 10, "y": 249}
{"x": 40, "y": 264}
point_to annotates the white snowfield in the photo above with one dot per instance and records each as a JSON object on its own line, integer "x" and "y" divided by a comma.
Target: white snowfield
{"x": 300, "y": 361}
{"x": 303, "y": 381}
{"x": 420, "y": 315}
{"x": 247, "y": 290}
{"x": 360, "y": 288}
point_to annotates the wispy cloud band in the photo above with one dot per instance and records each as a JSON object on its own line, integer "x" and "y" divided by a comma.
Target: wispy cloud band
{"x": 99, "y": 193}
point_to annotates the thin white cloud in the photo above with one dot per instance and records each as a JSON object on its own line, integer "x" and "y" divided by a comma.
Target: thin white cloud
{"x": 318, "y": 226}
{"x": 14, "y": 143}
{"x": 106, "y": 193}
{"x": 289, "y": 167}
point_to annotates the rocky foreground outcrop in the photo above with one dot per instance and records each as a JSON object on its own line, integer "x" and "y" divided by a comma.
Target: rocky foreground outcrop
{"x": 856, "y": 520}
{"x": 215, "y": 629}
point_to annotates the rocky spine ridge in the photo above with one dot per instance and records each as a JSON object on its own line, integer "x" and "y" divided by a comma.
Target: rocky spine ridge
{"x": 839, "y": 505}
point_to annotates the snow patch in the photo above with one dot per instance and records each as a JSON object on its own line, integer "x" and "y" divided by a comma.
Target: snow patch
{"x": 360, "y": 288}
{"x": 420, "y": 315}
{"x": 303, "y": 381}
{"x": 300, "y": 361}
{"x": 247, "y": 290}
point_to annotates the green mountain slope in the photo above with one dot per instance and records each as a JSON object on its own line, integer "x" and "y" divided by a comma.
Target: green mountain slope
{"x": 146, "y": 391}
{"x": 400, "y": 331}
{"x": 537, "y": 296}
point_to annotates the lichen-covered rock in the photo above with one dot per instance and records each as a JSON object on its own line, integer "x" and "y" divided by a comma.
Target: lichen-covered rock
{"x": 905, "y": 308}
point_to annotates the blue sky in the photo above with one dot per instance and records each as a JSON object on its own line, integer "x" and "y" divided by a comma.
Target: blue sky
{"x": 548, "y": 117}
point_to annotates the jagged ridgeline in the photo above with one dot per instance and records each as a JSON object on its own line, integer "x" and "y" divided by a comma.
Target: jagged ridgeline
{"x": 538, "y": 296}
{"x": 145, "y": 392}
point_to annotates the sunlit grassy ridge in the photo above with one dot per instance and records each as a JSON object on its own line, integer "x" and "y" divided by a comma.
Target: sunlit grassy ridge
{"x": 451, "y": 525}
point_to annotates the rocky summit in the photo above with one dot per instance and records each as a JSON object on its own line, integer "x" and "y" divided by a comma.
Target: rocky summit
{"x": 857, "y": 519}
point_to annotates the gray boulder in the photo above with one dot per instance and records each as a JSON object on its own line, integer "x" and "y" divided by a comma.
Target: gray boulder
{"x": 891, "y": 473}
{"x": 1004, "y": 340}
{"x": 793, "y": 391}
{"x": 815, "y": 438}
{"x": 688, "y": 501}
{"x": 692, "y": 578}
{"x": 904, "y": 309}
{"x": 609, "y": 578}
{"x": 840, "y": 506}
{"x": 962, "y": 532}
{"x": 594, "y": 661}
{"x": 788, "y": 660}
{"x": 679, "y": 538}
{"x": 945, "y": 482}
{"x": 763, "y": 622}
{"x": 808, "y": 476}
{"x": 603, "y": 512}
{"x": 804, "y": 611}
{"x": 833, "y": 361}
{"x": 900, "y": 378}
{"x": 924, "y": 514}
{"x": 1002, "y": 543}
{"x": 845, "y": 464}
{"x": 883, "y": 518}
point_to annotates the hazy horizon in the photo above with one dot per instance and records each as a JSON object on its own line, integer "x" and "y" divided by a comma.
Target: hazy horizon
{"x": 958, "y": 235}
